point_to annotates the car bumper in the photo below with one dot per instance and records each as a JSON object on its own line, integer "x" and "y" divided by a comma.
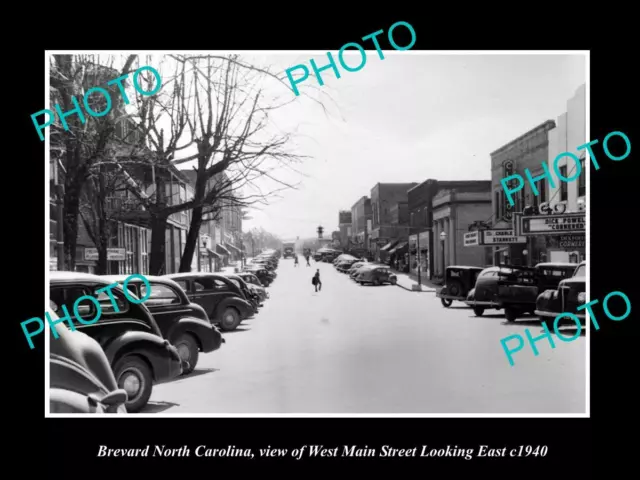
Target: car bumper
{"x": 481, "y": 303}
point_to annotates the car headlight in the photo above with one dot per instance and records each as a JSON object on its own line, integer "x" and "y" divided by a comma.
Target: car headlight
{"x": 582, "y": 297}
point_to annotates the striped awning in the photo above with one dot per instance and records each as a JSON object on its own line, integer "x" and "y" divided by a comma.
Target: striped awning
{"x": 389, "y": 245}
{"x": 399, "y": 247}
{"x": 221, "y": 250}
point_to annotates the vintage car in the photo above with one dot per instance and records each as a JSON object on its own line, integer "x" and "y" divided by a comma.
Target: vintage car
{"x": 353, "y": 272}
{"x": 136, "y": 350}
{"x": 80, "y": 376}
{"x": 344, "y": 265}
{"x": 459, "y": 281}
{"x": 515, "y": 288}
{"x": 254, "y": 284}
{"x": 569, "y": 295}
{"x": 223, "y": 301}
{"x": 182, "y": 322}
{"x": 376, "y": 275}
{"x": 265, "y": 276}
{"x": 249, "y": 295}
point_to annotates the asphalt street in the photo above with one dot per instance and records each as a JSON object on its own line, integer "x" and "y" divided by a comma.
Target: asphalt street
{"x": 367, "y": 349}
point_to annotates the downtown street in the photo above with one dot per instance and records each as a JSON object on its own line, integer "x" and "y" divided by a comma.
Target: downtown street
{"x": 365, "y": 349}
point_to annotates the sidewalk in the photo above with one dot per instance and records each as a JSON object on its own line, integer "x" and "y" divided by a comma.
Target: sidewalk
{"x": 410, "y": 281}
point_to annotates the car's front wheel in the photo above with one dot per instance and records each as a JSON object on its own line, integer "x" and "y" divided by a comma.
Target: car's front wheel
{"x": 134, "y": 376}
{"x": 478, "y": 311}
{"x": 446, "y": 302}
{"x": 511, "y": 314}
{"x": 188, "y": 349}
{"x": 230, "y": 319}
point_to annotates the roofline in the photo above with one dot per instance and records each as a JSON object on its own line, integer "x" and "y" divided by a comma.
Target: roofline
{"x": 529, "y": 133}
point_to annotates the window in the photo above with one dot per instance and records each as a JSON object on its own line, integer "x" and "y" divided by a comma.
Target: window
{"x": 220, "y": 286}
{"x": 581, "y": 271}
{"x": 106, "y": 305}
{"x": 582, "y": 180}
{"x": 160, "y": 295}
{"x": 183, "y": 284}
{"x": 204, "y": 284}
{"x": 563, "y": 185}
{"x": 496, "y": 211}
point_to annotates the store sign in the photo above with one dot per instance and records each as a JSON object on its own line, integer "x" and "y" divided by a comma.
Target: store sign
{"x": 472, "y": 239}
{"x": 572, "y": 241}
{"x": 382, "y": 241}
{"x": 554, "y": 224}
{"x": 114, "y": 254}
{"x": 501, "y": 237}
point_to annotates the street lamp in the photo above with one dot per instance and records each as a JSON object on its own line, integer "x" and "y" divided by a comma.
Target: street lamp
{"x": 443, "y": 237}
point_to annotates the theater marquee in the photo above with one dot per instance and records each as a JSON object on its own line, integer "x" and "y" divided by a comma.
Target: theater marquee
{"x": 553, "y": 224}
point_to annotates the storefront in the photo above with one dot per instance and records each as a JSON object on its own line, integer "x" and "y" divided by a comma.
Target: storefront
{"x": 419, "y": 256}
{"x": 562, "y": 234}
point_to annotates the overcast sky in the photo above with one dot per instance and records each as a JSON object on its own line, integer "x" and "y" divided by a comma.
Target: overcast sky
{"x": 407, "y": 118}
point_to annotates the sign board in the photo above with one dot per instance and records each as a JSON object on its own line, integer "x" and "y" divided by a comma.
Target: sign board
{"x": 115, "y": 254}
{"x": 501, "y": 237}
{"x": 572, "y": 241}
{"x": 382, "y": 241}
{"x": 554, "y": 224}
{"x": 472, "y": 239}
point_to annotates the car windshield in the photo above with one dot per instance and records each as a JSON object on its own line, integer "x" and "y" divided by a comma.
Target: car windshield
{"x": 581, "y": 271}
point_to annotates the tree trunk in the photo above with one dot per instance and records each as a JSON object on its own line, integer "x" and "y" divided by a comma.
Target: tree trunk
{"x": 157, "y": 258}
{"x": 70, "y": 224}
{"x": 192, "y": 240}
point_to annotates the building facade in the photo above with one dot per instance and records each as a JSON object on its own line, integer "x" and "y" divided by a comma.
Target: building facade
{"x": 361, "y": 220}
{"x": 528, "y": 151}
{"x": 384, "y": 197}
{"x": 344, "y": 226}
{"x": 453, "y": 211}
{"x": 422, "y": 242}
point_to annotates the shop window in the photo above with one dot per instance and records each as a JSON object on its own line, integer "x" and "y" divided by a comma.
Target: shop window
{"x": 563, "y": 185}
{"x": 582, "y": 180}
{"x": 160, "y": 295}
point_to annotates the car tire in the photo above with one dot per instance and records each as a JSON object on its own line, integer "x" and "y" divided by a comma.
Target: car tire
{"x": 393, "y": 281}
{"x": 454, "y": 288}
{"x": 478, "y": 311}
{"x": 446, "y": 302}
{"x": 376, "y": 282}
{"x": 230, "y": 319}
{"x": 188, "y": 349}
{"x": 511, "y": 314}
{"x": 134, "y": 368}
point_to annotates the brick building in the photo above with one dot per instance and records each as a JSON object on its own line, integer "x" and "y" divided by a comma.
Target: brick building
{"x": 529, "y": 151}
{"x": 384, "y": 198}
{"x": 344, "y": 226}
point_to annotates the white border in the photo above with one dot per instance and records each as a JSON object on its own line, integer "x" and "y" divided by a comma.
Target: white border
{"x": 587, "y": 413}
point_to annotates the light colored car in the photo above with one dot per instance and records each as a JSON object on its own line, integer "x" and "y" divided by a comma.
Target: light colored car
{"x": 377, "y": 275}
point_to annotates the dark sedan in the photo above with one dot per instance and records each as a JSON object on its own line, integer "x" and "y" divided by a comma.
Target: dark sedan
{"x": 185, "y": 324}
{"x": 221, "y": 299}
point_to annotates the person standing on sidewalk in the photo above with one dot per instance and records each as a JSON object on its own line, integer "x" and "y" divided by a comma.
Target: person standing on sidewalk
{"x": 295, "y": 260}
{"x": 307, "y": 258}
{"x": 316, "y": 281}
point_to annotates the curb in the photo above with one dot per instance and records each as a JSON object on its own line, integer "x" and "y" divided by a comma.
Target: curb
{"x": 431, "y": 290}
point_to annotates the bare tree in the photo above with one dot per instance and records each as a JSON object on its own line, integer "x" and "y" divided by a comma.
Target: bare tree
{"x": 81, "y": 143}
{"x": 217, "y": 102}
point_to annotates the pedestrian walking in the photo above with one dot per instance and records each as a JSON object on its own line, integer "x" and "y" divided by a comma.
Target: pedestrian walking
{"x": 316, "y": 281}
{"x": 295, "y": 260}
{"x": 308, "y": 264}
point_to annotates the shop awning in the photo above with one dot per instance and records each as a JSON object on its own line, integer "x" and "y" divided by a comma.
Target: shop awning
{"x": 389, "y": 245}
{"x": 213, "y": 254}
{"x": 221, "y": 250}
{"x": 399, "y": 247}
{"x": 232, "y": 247}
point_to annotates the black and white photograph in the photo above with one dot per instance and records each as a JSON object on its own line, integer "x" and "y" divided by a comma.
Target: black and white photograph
{"x": 288, "y": 234}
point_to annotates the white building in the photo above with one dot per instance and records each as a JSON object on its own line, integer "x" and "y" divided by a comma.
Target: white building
{"x": 570, "y": 133}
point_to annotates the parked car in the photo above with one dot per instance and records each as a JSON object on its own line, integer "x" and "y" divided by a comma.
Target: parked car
{"x": 515, "y": 288}
{"x": 355, "y": 270}
{"x": 265, "y": 276}
{"x": 254, "y": 284}
{"x": 136, "y": 350}
{"x": 570, "y": 294}
{"x": 223, "y": 301}
{"x": 459, "y": 280}
{"x": 249, "y": 294}
{"x": 80, "y": 376}
{"x": 185, "y": 324}
{"x": 376, "y": 275}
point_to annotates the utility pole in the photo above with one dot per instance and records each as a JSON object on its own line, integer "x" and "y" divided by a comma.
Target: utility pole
{"x": 59, "y": 226}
